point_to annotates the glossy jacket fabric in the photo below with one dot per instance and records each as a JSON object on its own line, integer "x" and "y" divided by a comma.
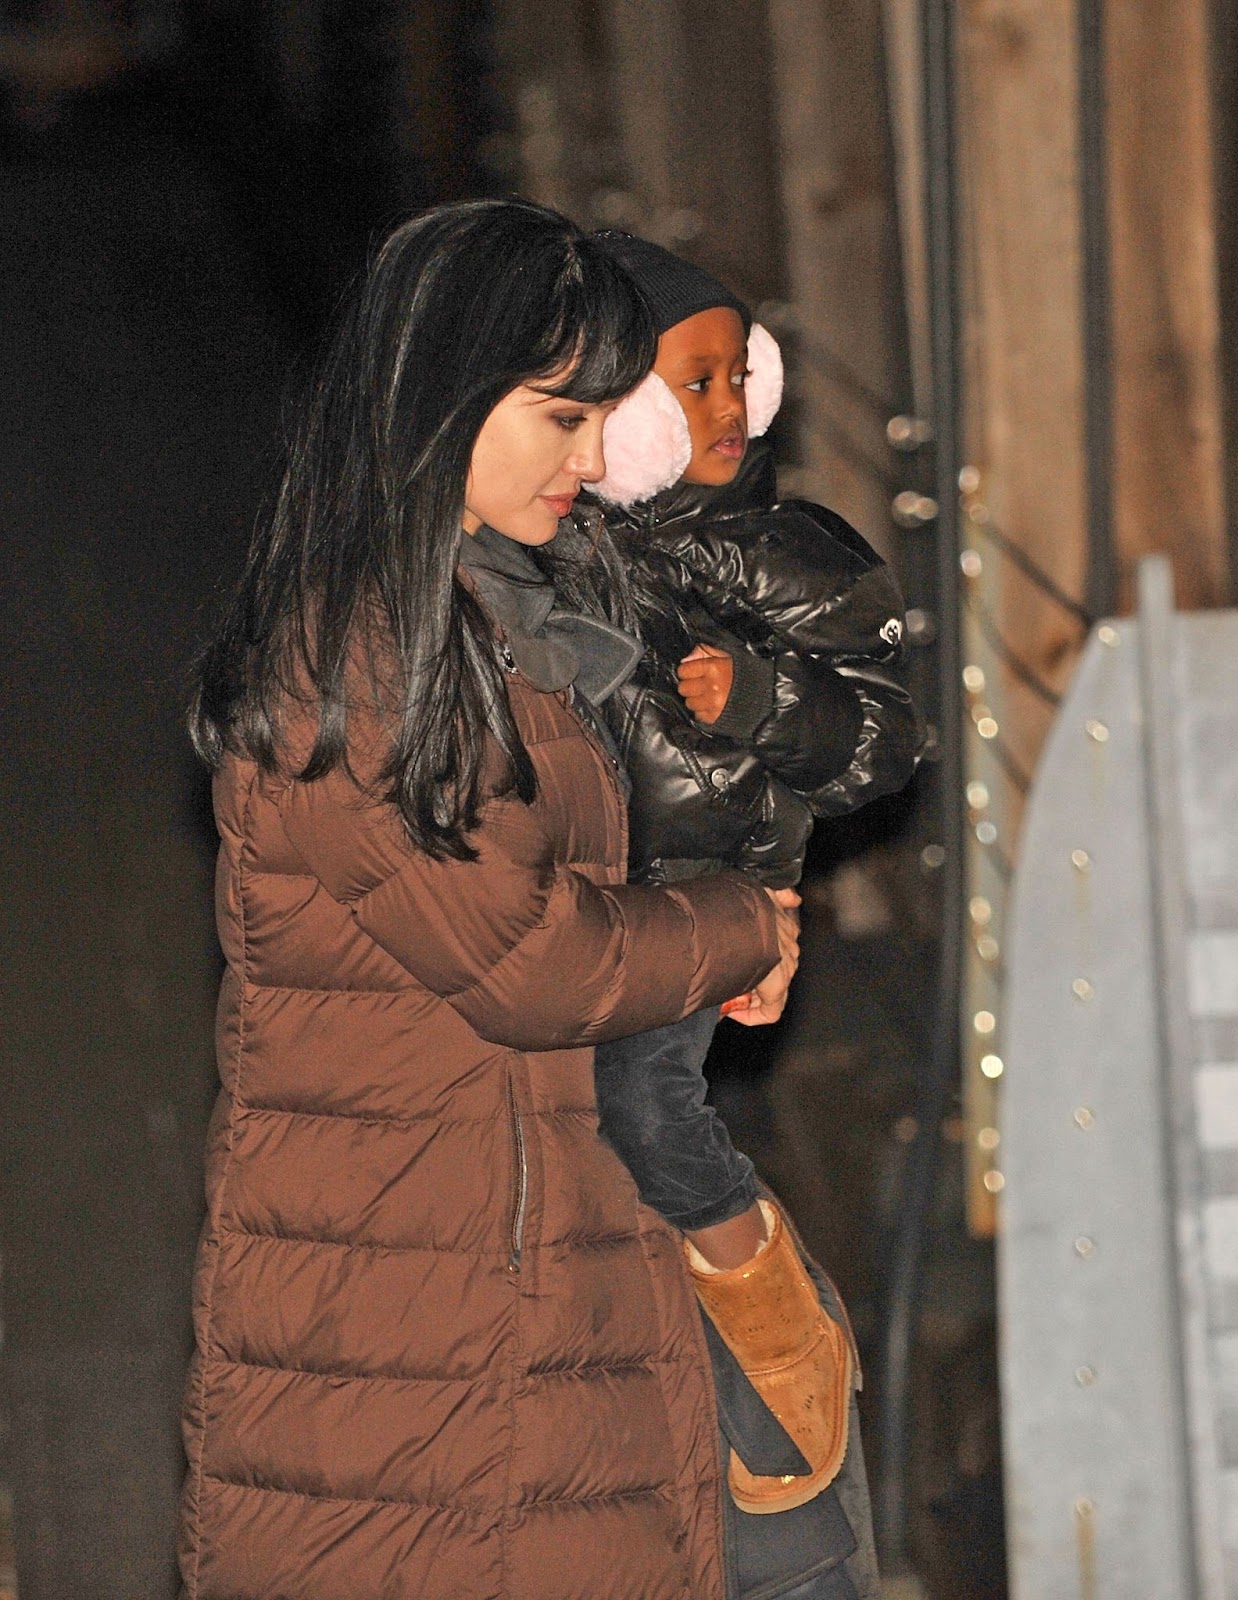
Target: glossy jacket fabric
{"x": 441, "y": 1354}
{"x": 799, "y": 586}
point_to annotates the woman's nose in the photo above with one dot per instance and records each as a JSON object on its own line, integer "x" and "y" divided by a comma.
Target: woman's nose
{"x": 588, "y": 460}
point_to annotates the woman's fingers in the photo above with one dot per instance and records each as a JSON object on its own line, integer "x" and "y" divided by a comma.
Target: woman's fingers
{"x": 758, "y": 1015}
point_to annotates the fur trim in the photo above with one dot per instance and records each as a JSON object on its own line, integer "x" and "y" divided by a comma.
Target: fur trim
{"x": 763, "y": 390}
{"x": 646, "y": 444}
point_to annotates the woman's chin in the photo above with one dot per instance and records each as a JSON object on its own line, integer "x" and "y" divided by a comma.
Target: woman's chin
{"x": 535, "y": 529}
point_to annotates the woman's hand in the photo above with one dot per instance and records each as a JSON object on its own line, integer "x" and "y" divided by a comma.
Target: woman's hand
{"x": 705, "y": 676}
{"x": 768, "y": 1000}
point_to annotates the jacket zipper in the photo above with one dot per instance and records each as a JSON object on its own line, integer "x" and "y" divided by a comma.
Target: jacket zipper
{"x": 521, "y": 1196}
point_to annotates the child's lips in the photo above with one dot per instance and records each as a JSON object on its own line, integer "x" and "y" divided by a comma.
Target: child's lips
{"x": 731, "y": 445}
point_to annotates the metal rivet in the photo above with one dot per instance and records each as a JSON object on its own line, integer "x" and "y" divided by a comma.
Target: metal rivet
{"x": 1080, "y": 860}
{"x": 992, "y": 1066}
{"x": 987, "y": 728}
{"x": 994, "y": 1181}
{"x": 1085, "y": 1118}
{"x": 977, "y": 795}
{"x": 1107, "y": 634}
{"x": 988, "y": 1138}
{"x": 984, "y": 1022}
{"x": 1085, "y": 1377}
{"x": 1082, "y": 989}
{"x": 932, "y": 857}
{"x": 973, "y": 678}
{"x": 905, "y": 1129}
{"x": 1084, "y": 1247}
{"x": 969, "y": 479}
{"x": 980, "y": 909}
{"x": 1096, "y": 730}
{"x": 970, "y": 562}
{"x": 986, "y": 833}
{"x": 987, "y": 947}
{"x": 978, "y": 512}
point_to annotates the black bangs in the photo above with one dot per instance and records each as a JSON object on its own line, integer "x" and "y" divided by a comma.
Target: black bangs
{"x": 605, "y": 334}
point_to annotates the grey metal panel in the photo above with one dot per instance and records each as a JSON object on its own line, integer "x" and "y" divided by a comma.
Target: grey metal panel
{"x": 1091, "y": 1387}
{"x": 1177, "y": 988}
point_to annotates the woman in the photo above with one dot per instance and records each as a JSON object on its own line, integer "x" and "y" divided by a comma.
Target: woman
{"x": 439, "y": 1351}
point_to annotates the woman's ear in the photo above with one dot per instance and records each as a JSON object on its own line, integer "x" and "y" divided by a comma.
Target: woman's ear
{"x": 646, "y": 444}
{"x": 763, "y": 390}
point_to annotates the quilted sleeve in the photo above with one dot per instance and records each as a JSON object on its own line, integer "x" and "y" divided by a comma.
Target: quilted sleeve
{"x": 532, "y": 954}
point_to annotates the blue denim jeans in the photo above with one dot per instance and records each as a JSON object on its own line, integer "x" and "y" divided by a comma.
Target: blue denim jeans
{"x": 652, "y": 1111}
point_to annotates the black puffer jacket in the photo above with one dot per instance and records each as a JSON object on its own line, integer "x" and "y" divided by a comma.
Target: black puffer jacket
{"x": 819, "y": 720}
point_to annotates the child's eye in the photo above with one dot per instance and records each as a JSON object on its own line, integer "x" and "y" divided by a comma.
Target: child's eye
{"x": 698, "y": 385}
{"x": 741, "y": 378}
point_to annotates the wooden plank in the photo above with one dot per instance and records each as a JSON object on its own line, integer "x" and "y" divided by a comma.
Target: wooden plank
{"x": 837, "y": 180}
{"x": 1168, "y": 443}
{"x": 1023, "y": 426}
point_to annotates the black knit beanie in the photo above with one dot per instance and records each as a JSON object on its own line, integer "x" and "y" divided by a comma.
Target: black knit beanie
{"x": 673, "y": 288}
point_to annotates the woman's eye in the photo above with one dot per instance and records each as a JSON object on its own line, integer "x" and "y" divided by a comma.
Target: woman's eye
{"x": 570, "y": 421}
{"x": 698, "y": 385}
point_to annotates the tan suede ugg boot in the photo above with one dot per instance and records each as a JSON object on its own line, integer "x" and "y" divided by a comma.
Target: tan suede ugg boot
{"x": 796, "y": 1357}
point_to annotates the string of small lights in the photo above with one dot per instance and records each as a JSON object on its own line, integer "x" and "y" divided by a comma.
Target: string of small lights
{"x": 997, "y": 782}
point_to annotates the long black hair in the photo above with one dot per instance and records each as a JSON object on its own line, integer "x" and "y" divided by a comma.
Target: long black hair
{"x": 460, "y": 306}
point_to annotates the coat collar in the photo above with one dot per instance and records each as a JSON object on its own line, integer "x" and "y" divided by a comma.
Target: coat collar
{"x": 551, "y": 648}
{"x": 754, "y": 488}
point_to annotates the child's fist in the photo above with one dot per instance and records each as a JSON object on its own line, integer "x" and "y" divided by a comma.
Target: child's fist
{"x": 705, "y": 677}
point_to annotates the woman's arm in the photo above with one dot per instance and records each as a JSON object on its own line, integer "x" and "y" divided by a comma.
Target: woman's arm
{"x": 531, "y": 954}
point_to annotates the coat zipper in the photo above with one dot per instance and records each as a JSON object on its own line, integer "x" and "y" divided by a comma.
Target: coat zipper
{"x": 521, "y": 1186}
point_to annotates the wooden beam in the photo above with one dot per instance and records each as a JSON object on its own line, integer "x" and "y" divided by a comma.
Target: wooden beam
{"x": 837, "y": 179}
{"x": 1023, "y": 427}
{"x": 1168, "y": 434}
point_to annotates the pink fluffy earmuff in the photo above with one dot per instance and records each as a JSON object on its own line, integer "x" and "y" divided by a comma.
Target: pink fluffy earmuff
{"x": 646, "y": 440}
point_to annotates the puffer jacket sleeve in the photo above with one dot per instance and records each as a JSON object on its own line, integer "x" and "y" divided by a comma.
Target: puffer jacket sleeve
{"x": 808, "y": 731}
{"x": 531, "y": 953}
{"x": 802, "y": 583}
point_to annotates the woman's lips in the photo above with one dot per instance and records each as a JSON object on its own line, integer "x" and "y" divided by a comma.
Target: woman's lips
{"x": 560, "y": 504}
{"x": 731, "y": 445}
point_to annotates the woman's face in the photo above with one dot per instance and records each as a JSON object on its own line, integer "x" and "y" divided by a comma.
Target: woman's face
{"x": 532, "y": 455}
{"x": 703, "y": 360}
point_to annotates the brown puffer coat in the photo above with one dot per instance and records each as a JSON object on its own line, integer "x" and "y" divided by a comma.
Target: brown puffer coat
{"x": 441, "y": 1352}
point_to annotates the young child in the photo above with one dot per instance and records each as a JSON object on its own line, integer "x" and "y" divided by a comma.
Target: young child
{"x": 772, "y": 688}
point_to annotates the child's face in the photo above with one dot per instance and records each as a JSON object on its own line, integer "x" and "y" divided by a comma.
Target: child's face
{"x": 703, "y": 360}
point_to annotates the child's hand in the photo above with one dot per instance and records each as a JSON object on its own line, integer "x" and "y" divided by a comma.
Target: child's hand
{"x": 705, "y": 677}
